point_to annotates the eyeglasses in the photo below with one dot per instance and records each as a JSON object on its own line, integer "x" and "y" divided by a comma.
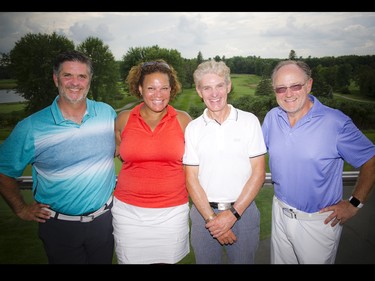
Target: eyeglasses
{"x": 293, "y": 88}
{"x": 152, "y": 63}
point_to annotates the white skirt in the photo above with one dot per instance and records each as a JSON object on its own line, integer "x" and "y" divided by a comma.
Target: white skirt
{"x": 150, "y": 235}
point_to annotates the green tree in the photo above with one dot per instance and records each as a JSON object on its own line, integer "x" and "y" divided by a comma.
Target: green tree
{"x": 320, "y": 87}
{"x": 199, "y": 58}
{"x": 132, "y": 57}
{"x": 142, "y": 54}
{"x": 217, "y": 58}
{"x": 189, "y": 65}
{"x": 264, "y": 87}
{"x": 4, "y": 66}
{"x": 292, "y": 55}
{"x": 106, "y": 73}
{"x": 343, "y": 76}
{"x": 366, "y": 81}
{"x": 31, "y": 62}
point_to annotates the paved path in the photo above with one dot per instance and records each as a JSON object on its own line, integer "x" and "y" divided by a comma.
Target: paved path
{"x": 127, "y": 106}
{"x": 353, "y": 99}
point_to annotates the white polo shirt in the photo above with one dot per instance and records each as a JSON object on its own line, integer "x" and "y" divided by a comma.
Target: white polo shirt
{"x": 222, "y": 152}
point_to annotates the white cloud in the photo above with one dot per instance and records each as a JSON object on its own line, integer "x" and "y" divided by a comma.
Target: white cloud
{"x": 263, "y": 34}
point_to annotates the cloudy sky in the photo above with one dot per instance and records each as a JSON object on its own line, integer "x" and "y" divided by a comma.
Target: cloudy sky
{"x": 261, "y": 34}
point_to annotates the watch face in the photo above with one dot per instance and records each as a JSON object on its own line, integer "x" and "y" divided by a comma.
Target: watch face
{"x": 355, "y": 202}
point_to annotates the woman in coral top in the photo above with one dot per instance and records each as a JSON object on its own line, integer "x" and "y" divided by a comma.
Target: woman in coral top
{"x": 151, "y": 206}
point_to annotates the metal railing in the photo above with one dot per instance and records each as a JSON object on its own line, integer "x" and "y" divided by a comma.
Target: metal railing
{"x": 347, "y": 177}
{"x": 26, "y": 182}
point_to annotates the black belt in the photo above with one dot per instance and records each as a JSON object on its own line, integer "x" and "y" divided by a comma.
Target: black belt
{"x": 221, "y": 206}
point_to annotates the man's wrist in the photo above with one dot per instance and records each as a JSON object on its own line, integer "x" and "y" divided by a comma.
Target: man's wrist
{"x": 235, "y": 213}
{"x": 355, "y": 202}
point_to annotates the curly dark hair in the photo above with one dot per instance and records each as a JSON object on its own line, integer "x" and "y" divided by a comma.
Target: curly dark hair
{"x": 137, "y": 75}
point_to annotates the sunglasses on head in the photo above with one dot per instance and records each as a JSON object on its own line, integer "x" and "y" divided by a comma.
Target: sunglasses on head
{"x": 151, "y": 63}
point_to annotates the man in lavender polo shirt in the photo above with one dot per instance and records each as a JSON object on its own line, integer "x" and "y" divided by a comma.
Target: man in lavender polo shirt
{"x": 308, "y": 143}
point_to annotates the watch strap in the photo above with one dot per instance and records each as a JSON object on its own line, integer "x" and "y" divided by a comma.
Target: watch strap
{"x": 234, "y": 212}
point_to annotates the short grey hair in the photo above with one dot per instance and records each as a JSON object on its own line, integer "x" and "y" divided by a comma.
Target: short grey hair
{"x": 211, "y": 66}
{"x": 301, "y": 64}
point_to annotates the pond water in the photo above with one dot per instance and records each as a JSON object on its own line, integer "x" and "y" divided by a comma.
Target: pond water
{"x": 7, "y": 96}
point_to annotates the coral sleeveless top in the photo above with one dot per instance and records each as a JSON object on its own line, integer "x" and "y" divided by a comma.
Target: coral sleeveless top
{"x": 152, "y": 174}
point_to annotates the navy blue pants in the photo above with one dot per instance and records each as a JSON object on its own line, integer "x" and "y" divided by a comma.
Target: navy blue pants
{"x": 71, "y": 242}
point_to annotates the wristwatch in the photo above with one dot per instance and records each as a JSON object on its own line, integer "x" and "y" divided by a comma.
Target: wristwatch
{"x": 234, "y": 212}
{"x": 355, "y": 202}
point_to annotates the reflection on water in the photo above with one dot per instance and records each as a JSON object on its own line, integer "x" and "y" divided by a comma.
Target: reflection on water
{"x": 10, "y": 96}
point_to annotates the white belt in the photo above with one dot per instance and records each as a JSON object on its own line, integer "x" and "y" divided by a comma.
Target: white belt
{"x": 85, "y": 218}
{"x": 293, "y": 213}
{"x": 221, "y": 206}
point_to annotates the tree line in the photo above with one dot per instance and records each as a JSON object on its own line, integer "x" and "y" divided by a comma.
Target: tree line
{"x": 30, "y": 64}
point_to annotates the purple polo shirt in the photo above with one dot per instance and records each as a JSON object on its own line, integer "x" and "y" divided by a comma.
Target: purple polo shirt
{"x": 306, "y": 161}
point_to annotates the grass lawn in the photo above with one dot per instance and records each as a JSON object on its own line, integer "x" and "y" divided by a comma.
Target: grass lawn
{"x": 19, "y": 242}
{"x": 6, "y": 84}
{"x": 12, "y": 107}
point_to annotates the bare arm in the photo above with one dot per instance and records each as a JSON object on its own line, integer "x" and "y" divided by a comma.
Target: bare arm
{"x": 253, "y": 185}
{"x": 183, "y": 118}
{"x": 121, "y": 120}
{"x": 343, "y": 211}
{"x": 365, "y": 181}
{"x": 196, "y": 192}
{"x": 11, "y": 193}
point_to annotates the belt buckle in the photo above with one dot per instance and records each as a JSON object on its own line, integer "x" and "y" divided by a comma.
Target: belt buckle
{"x": 289, "y": 213}
{"x": 223, "y": 206}
{"x": 88, "y": 218}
